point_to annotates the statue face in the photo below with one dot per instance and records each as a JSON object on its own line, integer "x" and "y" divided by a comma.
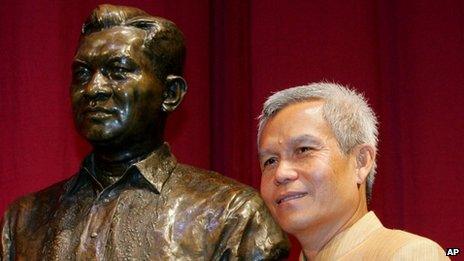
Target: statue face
{"x": 115, "y": 93}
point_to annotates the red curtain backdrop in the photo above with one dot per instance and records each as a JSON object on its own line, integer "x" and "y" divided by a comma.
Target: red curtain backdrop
{"x": 406, "y": 56}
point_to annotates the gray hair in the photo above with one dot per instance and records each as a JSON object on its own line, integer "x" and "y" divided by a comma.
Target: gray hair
{"x": 347, "y": 112}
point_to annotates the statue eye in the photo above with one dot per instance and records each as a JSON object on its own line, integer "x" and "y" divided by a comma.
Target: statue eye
{"x": 116, "y": 72}
{"x": 120, "y": 68}
{"x": 81, "y": 74}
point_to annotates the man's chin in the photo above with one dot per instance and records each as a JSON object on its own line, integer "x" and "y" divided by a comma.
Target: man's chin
{"x": 294, "y": 223}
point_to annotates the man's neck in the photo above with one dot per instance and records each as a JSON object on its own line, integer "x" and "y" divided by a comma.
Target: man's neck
{"x": 315, "y": 239}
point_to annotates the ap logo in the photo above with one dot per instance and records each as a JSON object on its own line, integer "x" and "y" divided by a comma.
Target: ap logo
{"x": 452, "y": 251}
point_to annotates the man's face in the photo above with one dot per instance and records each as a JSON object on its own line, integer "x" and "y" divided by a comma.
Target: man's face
{"x": 115, "y": 93}
{"x": 307, "y": 181}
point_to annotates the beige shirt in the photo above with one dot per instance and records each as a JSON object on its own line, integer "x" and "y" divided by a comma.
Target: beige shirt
{"x": 368, "y": 239}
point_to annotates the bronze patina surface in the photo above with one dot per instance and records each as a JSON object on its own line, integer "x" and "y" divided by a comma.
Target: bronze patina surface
{"x": 131, "y": 200}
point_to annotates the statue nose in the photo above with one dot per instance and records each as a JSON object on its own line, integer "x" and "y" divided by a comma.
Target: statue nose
{"x": 98, "y": 87}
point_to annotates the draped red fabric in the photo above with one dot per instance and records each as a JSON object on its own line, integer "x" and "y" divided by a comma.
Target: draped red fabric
{"x": 406, "y": 56}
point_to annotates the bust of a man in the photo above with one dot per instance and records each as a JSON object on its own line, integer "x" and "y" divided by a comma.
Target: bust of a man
{"x": 131, "y": 199}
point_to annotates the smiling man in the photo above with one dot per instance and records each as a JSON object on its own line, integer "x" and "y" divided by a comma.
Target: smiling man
{"x": 317, "y": 148}
{"x": 131, "y": 200}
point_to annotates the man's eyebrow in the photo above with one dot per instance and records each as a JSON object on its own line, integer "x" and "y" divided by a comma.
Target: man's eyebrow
{"x": 304, "y": 138}
{"x": 294, "y": 141}
{"x": 264, "y": 152}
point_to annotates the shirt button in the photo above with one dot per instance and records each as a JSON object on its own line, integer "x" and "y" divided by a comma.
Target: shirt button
{"x": 94, "y": 234}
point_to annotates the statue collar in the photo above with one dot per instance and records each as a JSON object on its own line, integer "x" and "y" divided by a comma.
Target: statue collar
{"x": 152, "y": 171}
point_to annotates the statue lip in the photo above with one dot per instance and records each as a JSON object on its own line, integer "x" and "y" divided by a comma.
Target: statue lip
{"x": 91, "y": 110}
{"x": 98, "y": 113}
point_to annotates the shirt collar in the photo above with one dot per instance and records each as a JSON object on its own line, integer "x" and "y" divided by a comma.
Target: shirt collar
{"x": 155, "y": 169}
{"x": 348, "y": 239}
{"x": 351, "y": 237}
{"x": 158, "y": 166}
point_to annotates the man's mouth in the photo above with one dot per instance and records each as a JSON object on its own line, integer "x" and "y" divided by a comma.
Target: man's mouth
{"x": 290, "y": 196}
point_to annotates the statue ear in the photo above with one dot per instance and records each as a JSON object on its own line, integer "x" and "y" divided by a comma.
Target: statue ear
{"x": 176, "y": 87}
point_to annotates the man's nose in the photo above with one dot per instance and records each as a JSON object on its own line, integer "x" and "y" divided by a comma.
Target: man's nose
{"x": 98, "y": 87}
{"x": 285, "y": 173}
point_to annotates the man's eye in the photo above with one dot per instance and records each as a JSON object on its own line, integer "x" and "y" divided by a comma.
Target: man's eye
{"x": 301, "y": 150}
{"x": 81, "y": 75}
{"x": 269, "y": 162}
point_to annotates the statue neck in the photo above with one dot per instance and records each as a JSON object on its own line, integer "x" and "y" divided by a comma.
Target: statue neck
{"x": 111, "y": 162}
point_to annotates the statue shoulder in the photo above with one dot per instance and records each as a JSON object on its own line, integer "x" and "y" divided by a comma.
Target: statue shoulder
{"x": 212, "y": 181}
{"x": 38, "y": 202}
{"x": 248, "y": 229}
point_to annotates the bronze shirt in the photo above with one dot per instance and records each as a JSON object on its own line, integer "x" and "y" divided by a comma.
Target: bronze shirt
{"x": 159, "y": 210}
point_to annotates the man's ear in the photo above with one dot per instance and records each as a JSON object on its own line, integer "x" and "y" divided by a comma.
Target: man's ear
{"x": 176, "y": 87}
{"x": 365, "y": 158}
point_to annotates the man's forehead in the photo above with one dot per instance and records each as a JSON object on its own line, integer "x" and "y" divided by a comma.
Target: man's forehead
{"x": 297, "y": 122}
{"x": 297, "y": 113}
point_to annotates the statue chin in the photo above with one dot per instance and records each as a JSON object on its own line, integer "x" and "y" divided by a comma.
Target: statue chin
{"x": 100, "y": 135}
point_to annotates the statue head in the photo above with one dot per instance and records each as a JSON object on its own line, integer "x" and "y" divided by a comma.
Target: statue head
{"x": 126, "y": 75}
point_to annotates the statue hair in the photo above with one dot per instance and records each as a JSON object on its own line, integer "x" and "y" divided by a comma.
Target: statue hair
{"x": 164, "y": 42}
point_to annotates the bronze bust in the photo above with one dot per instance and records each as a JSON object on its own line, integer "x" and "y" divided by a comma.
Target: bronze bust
{"x": 131, "y": 199}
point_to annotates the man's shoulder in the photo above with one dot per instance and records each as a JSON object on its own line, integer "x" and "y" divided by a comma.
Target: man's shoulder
{"x": 402, "y": 245}
{"x": 404, "y": 237}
